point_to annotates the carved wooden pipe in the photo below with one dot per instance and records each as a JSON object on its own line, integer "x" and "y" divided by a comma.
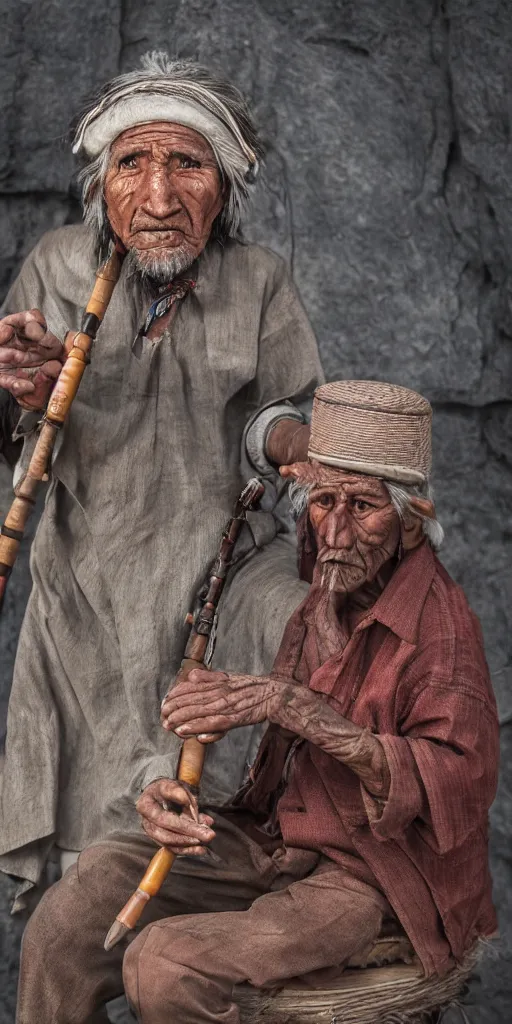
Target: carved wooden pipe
{"x": 77, "y": 346}
{"x": 189, "y": 772}
{"x": 192, "y": 752}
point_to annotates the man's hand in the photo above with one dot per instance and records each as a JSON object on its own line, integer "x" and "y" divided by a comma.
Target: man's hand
{"x": 186, "y": 832}
{"x": 288, "y": 442}
{"x": 208, "y": 703}
{"x": 30, "y": 358}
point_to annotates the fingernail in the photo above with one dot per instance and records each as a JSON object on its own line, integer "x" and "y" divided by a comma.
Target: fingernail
{"x": 180, "y": 730}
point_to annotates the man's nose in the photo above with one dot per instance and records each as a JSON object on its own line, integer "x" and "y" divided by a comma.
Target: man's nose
{"x": 338, "y": 532}
{"x": 161, "y": 197}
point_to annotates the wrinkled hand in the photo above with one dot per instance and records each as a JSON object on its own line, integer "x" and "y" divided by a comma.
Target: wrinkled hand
{"x": 208, "y": 703}
{"x": 30, "y": 358}
{"x": 186, "y": 832}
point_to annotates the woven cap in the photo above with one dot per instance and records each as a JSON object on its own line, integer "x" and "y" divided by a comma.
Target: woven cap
{"x": 380, "y": 429}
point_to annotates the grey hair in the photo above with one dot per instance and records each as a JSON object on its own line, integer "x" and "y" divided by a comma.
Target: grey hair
{"x": 92, "y": 180}
{"x": 157, "y": 67}
{"x": 400, "y": 495}
{"x": 299, "y": 497}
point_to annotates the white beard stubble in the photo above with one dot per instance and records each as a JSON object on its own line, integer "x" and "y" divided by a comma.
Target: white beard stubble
{"x": 342, "y": 578}
{"x": 159, "y": 266}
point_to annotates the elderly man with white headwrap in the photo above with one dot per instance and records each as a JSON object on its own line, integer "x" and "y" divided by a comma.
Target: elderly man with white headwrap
{"x": 203, "y": 349}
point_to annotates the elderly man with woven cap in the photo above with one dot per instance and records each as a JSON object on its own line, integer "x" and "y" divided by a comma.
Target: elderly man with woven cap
{"x": 203, "y": 351}
{"x": 366, "y": 808}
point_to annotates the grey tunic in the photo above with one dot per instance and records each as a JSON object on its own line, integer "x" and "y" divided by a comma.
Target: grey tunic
{"x": 143, "y": 481}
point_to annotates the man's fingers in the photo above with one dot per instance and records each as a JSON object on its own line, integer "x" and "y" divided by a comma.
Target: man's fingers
{"x": 7, "y": 332}
{"x": 178, "y": 844}
{"x": 183, "y": 688}
{"x": 206, "y": 819}
{"x": 179, "y": 709}
{"x": 51, "y": 369}
{"x": 194, "y": 712}
{"x": 186, "y": 694}
{"x": 210, "y": 737}
{"x": 31, "y": 382}
{"x": 15, "y": 385}
{"x": 28, "y": 330}
{"x": 41, "y": 371}
{"x": 169, "y": 835}
{"x": 203, "y": 675}
{"x": 30, "y": 320}
{"x": 302, "y": 471}
{"x": 172, "y": 822}
{"x": 170, "y": 789}
{"x": 168, "y": 792}
{"x": 15, "y": 357}
{"x": 196, "y": 679}
{"x": 19, "y": 320}
{"x": 204, "y": 726}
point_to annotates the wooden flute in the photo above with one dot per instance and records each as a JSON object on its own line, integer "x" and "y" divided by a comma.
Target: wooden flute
{"x": 190, "y": 766}
{"x": 77, "y": 345}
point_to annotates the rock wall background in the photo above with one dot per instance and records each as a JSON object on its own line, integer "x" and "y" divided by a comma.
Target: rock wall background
{"x": 388, "y": 187}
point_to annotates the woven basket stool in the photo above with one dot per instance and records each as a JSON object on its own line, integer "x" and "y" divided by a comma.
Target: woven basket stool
{"x": 392, "y": 994}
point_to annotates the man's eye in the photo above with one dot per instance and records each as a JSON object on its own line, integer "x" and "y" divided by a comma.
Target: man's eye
{"x": 187, "y": 161}
{"x": 325, "y": 500}
{"x": 360, "y": 505}
{"x": 128, "y": 161}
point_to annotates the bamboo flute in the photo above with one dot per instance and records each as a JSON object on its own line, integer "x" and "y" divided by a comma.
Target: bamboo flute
{"x": 77, "y": 346}
{"x": 192, "y": 752}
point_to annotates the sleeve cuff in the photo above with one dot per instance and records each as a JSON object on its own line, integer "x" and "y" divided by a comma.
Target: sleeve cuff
{"x": 257, "y": 430}
{"x": 27, "y": 423}
{"x": 164, "y": 766}
{"x": 389, "y": 818}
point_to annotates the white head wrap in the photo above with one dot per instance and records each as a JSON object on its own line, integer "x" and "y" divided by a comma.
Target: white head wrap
{"x": 103, "y": 127}
{"x": 189, "y": 103}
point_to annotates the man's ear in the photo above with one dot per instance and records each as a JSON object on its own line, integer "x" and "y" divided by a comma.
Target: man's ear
{"x": 411, "y": 527}
{"x": 411, "y": 532}
{"x": 423, "y": 506}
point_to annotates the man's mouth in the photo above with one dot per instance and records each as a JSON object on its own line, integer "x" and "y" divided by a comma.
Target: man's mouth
{"x": 154, "y": 238}
{"x": 340, "y": 558}
{"x": 342, "y": 576}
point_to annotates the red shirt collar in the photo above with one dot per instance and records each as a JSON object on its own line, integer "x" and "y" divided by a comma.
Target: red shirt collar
{"x": 401, "y": 603}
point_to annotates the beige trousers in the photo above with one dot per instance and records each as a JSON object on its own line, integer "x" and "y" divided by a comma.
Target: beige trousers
{"x": 244, "y": 917}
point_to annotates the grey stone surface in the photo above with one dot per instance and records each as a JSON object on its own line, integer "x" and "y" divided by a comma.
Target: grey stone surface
{"x": 388, "y": 189}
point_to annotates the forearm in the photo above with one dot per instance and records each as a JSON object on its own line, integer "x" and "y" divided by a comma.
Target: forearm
{"x": 305, "y": 713}
{"x": 287, "y": 442}
{"x": 210, "y": 702}
{"x": 266, "y": 437}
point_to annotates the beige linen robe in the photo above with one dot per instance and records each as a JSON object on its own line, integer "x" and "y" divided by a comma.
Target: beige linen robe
{"x": 143, "y": 481}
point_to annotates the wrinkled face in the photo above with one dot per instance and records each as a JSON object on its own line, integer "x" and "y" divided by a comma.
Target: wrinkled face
{"x": 357, "y": 528}
{"x": 163, "y": 192}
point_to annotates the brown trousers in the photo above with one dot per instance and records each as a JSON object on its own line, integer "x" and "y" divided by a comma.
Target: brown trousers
{"x": 245, "y": 917}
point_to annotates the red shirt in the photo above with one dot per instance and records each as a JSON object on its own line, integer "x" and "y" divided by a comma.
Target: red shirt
{"x": 414, "y": 672}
